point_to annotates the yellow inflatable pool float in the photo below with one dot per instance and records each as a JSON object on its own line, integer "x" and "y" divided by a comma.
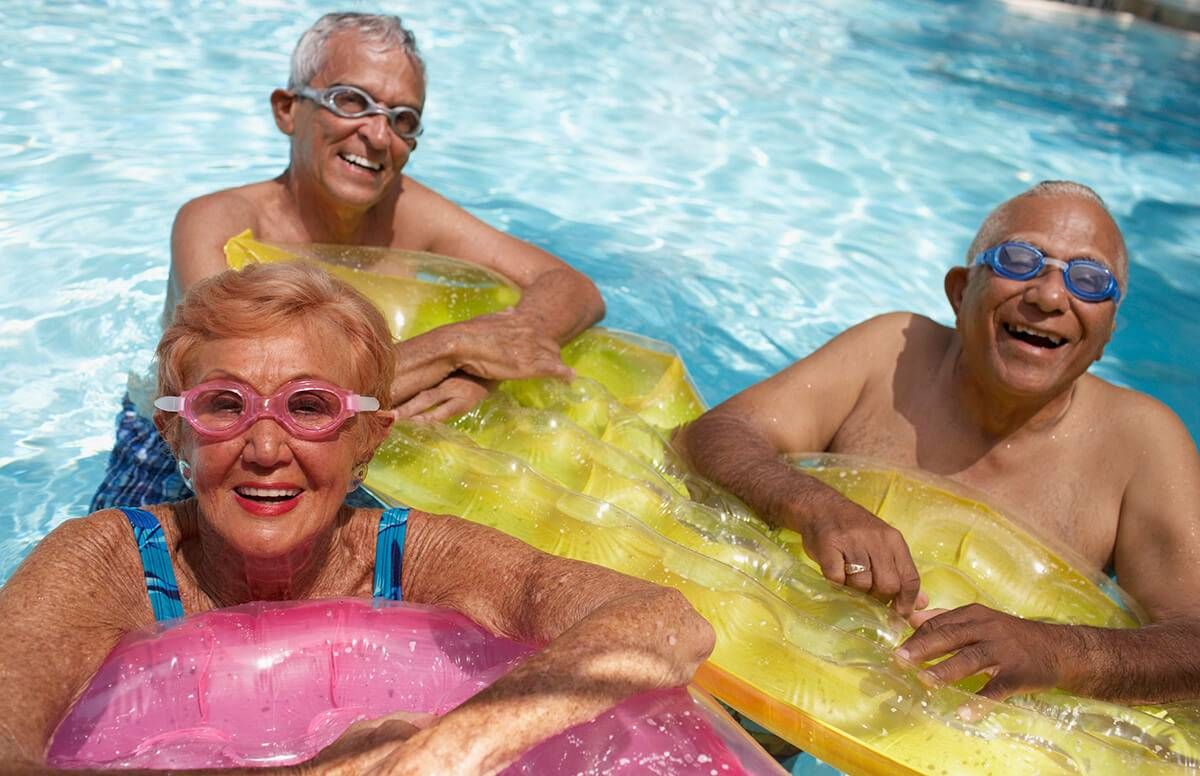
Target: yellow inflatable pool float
{"x": 584, "y": 471}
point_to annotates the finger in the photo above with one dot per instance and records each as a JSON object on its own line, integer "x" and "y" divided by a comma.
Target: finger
{"x": 938, "y": 636}
{"x": 832, "y": 564}
{"x": 859, "y": 580}
{"x": 919, "y": 618}
{"x": 450, "y": 408}
{"x": 549, "y": 363}
{"x": 885, "y": 580}
{"x": 419, "y": 403}
{"x": 563, "y": 372}
{"x": 968, "y": 661}
{"x": 923, "y": 601}
{"x": 1000, "y": 686}
{"x": 909, "y": 580}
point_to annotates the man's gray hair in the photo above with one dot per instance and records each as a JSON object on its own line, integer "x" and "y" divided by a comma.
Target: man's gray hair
{"x": 994, "y": 227}
{"x": 383, "y": 30}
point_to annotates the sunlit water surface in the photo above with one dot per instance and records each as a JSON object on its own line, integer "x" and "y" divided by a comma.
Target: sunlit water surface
{"x": 743, "y": 179}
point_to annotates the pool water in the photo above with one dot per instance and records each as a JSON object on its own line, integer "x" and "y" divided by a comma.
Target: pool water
{"x": 742, "y": 179}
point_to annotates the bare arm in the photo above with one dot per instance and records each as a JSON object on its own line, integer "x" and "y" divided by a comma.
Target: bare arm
{"x": 739, "y": 443}
{"x": 61, "y": 613}
{"x": 557, "y": 299}
{"x": 202, "y": 226}
{"x": 1157, "y": 558}
{"x": 609, "y": 636}
{"x": 557, "y": 303}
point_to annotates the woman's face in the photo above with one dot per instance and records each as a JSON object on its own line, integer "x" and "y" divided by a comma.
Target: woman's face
{"x": 265, "y": 492}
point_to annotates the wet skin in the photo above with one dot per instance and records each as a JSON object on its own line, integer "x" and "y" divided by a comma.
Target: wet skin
{"x": 345, "y": 185}
{"x": 268, "y": 523}
{"x": 1001, "y": 402}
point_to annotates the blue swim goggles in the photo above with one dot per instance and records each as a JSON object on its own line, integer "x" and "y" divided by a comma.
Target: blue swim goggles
{"x": 1086, "y": 279}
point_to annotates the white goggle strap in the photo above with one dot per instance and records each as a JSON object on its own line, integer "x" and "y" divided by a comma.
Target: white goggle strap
{"x": 363, "y": 403}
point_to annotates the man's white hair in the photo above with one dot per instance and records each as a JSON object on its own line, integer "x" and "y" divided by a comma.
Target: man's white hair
{"x": 383, "y": 30}
{"x": 995, "y": 226}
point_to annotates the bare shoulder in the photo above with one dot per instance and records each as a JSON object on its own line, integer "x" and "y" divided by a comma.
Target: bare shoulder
{"x": 103, "y": 534}
{"x": 89, "y": 559}
{"x": 1138, "y": 423}
{"x": 874, "y": 344}
{"x": 422, "y": 217}
{"x": 894, "y": 329}
{"x": 228, "y": 211}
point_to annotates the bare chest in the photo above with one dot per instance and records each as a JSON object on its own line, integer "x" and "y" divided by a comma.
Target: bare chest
{"x": 1057, "y": 486}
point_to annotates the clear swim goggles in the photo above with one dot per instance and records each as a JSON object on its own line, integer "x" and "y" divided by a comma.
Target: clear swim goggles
{"x": 308, "y": 409}
{"x": 1086, "y": 279}
{"x": 350, "y": 102}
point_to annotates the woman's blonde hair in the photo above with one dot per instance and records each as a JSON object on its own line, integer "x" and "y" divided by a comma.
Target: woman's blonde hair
{"x": 268, "y": 299}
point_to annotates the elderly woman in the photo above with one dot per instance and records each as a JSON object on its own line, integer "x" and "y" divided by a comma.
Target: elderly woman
{"x": 352, "y": 111}
{"x": 269, "y": 381}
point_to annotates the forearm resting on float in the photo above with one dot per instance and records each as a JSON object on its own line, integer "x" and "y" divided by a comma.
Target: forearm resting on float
{"x": 728, "y": 449}
{"x": 646, "y": 640}
{"x": 608, "y": 635}
{"x": 518, "y": 343}
{"x": 562, "y": 303}
{"x": 1157, "y": 663}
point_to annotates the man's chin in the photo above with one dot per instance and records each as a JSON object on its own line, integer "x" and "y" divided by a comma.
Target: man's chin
{"x": 1026, "y": 381}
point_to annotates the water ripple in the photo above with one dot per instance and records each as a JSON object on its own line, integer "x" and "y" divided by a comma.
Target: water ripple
{"x": 744, "y": 178}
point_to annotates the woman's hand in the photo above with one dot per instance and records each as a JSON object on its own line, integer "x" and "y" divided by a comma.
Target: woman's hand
{"x": 373, "y": 746}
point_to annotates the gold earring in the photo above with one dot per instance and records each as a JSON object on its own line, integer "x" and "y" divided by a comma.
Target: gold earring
{"x": 359, "y": 474}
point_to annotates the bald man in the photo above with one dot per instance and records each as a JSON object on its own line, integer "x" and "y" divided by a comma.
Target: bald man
{"x": 1001, "y": 402}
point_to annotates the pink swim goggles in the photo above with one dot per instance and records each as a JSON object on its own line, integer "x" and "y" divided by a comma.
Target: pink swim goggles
{"x": 308, "y": 409}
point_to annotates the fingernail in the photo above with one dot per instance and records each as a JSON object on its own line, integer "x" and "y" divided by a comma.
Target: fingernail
{"x": 902, "y": 653}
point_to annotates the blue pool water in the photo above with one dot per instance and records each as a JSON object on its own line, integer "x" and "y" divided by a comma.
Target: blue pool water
{"x": 743, "y": 179}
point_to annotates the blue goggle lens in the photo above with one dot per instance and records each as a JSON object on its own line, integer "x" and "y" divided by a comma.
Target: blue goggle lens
{"x": 1019, "y": 260}
{"x": 1089, "y": 279}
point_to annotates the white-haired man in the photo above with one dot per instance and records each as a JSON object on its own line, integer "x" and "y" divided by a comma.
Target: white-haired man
{"x": 1001, "y": 402}
{"x": 352, "y": 109}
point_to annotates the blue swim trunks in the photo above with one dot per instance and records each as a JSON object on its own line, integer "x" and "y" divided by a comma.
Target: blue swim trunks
{"x": 141, "y": 468}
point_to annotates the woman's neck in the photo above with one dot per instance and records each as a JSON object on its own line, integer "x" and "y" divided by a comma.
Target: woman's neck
{"x": 228, "y": 577}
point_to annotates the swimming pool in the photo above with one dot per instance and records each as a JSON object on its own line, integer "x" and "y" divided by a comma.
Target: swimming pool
{"x": 743, "y": 179}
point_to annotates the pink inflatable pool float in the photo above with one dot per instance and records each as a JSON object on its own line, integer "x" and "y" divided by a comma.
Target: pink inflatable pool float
{"x": 273, "y": 683}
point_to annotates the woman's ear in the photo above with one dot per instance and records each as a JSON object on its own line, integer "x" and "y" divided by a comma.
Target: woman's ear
{"x": 380, "y": 425}
{"x": 164, "y": 422}
{"x": 283, "y": 108}
{"x": 956, "y": 285}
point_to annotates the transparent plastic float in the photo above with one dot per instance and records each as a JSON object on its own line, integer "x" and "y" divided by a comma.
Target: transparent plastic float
{"x": 584, "y": 471}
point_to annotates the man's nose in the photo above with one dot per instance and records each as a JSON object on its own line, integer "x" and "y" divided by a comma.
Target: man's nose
{"x": 1048, "y": 291}
{"x": 267, "y": 443}
{"x": 376, "y": 131}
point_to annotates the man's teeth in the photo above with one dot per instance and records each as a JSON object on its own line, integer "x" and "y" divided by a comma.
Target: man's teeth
{"x": 359, "y": 161}
{"x": 268, "y": 492}
{"x": 1016, "y": 327}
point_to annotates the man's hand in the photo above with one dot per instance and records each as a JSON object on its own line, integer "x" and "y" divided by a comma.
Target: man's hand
{"x": 1019, "y": 655}
{"x": 453, "y": 396}
{"x": 507, "y": 346}
{"x": 857, "y": 549}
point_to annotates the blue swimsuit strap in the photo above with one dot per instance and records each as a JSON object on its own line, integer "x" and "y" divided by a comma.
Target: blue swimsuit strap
{"x": 389, "y": 553}
{"x": 156, "y": 564}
